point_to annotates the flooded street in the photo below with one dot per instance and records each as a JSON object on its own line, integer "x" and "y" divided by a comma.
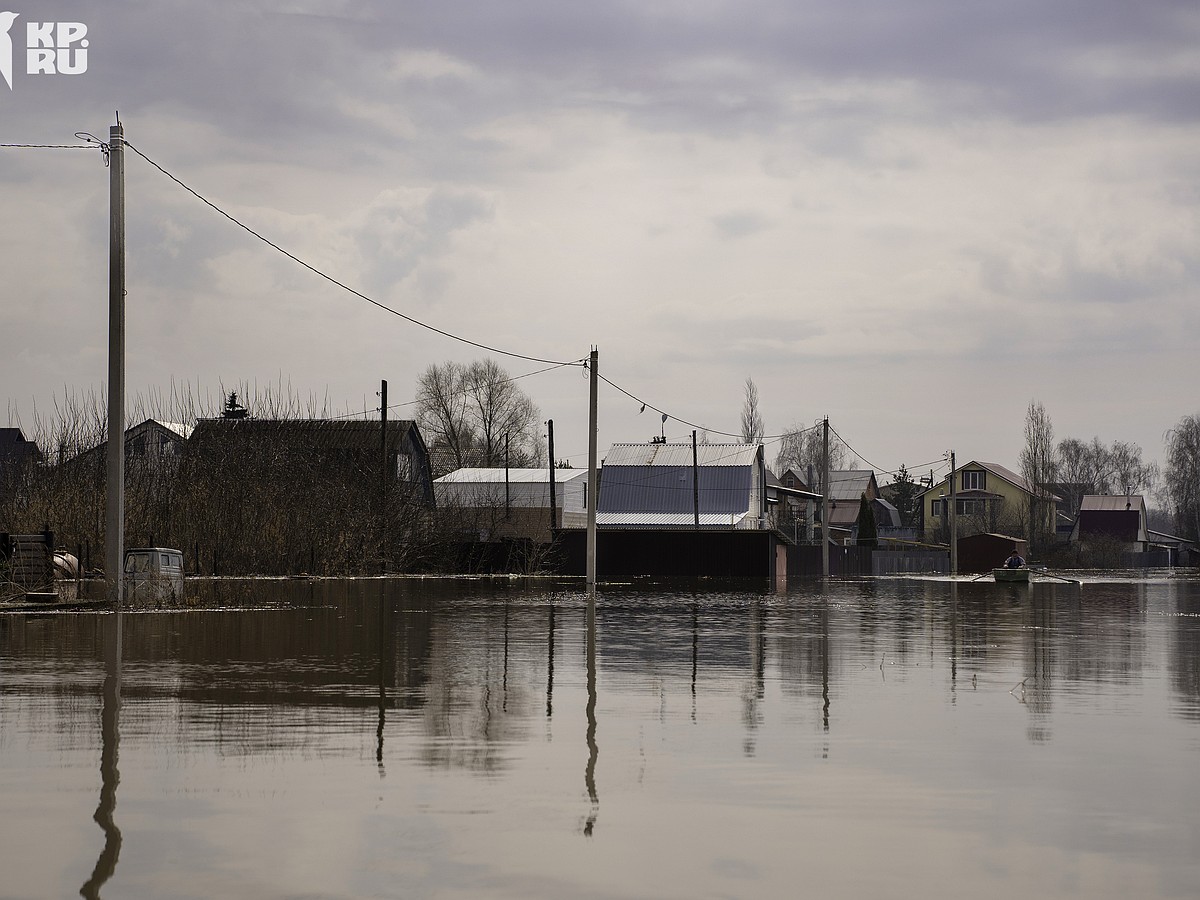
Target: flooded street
{"x": 409, "y": 738}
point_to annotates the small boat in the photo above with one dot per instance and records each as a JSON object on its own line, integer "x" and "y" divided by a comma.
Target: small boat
{"x": 1017, "y": 576}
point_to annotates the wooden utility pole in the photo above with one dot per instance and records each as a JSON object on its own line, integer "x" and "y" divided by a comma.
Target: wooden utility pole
{"x": 593, "y": 491}
{"x": 114, "y": 513}
{"x": 384, "y": 474}
{"x": 825, "y": 500}
{"x": 953, "y": 520}
{"x": 553, "y": 493}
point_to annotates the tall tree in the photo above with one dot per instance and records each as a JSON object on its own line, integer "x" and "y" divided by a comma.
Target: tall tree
{"x": 801, "y": 448}
{"x": 1095, "y": 468}
{"x": 868, "y": 533}
{"x": 904, "y": 491}
{"x": 752, "y": 421}
{"x": 442, "y": 412}
{"x": 1038, "y": 465}
{"x": 474, "y": 411}
{"x": 1130, "y": 474}
{"x": 1182, "y": 475}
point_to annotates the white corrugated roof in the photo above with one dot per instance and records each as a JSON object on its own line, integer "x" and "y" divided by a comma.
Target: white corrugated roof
{"x": 668, "y": 520}
{"x": 681, "y": 455}
{"x": 1109, "y": 502}
{"x": 496, "y": 476}
{"x": 184, "y": 431}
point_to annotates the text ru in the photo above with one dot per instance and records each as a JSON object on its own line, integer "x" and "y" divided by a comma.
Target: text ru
{"x": 56, "y": 48}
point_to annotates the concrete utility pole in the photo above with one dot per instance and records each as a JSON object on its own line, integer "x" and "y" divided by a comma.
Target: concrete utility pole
{"x": 384, "y": 475}
{"x": 114, "y": 512}
{"x": 553, "y": 494}
{"x": 953, "y": 520}
{"x": 593, "y": 492}
{"x": 825, "y": 500}
{"x": 695, "y": 482}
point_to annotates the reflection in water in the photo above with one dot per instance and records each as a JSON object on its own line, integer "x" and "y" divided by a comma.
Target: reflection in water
{"x": 110, "y": 776}
{"x": 1184, "y": 658}
{"x": 589, "y": 773}
{"x": 823, "y": 616}
{"x": 953, "y": 642}
{"x": 550, "y": 665}
{"x": 1038, "y": 686}
{"x": 254, "y": 697}
{"x": 386, "y": 636}
{"x": 753, "y": 695}
{"x": 695, "y": 652}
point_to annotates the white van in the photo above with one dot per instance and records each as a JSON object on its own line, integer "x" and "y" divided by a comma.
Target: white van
{"x": 154, "y": 574}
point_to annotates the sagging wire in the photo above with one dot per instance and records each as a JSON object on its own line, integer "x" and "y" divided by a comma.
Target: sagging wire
{"x": 88, "y": 139}
{"x": 461, "y": 393}
{"x": 342, "y": 285}
{"x": 645, "y": 405}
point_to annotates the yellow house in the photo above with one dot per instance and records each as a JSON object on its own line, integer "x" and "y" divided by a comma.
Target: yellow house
{"x": 989, "y": 499}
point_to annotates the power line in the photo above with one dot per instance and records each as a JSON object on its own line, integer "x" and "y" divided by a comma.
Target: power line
{"x": 47, "y": 146}
{"x": 738, "y": 435}
{"x": 340, "y": 284}
{"x": 461, "y": 393}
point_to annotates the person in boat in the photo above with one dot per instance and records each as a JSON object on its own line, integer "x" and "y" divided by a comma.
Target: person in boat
{"x": 1014, "y": 561}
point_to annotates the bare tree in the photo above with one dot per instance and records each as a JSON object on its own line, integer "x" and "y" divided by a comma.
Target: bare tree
{"x": 752, "y": 421}
{"x": 801, "y": 448}
{"x": 1130, "y": 474}
{"x": 475, "y": 413}
{"x": 1095, "y": 468}
{"x": 442, "y": 411}
{"x": 1183, "y": 475}
{"x": 504, "y": 416}
{"x": 1038, "y": 465}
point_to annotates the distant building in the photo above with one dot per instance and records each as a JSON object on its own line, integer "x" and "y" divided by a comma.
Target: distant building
{"x": 18, "y": 456}
{"x": 846, "y": 489}
{"x": 505, "y": 503}
{"x": 660, "y": 485}
{"x": 989, "y": 499}
{"x": 1113, "y": 519}
{"x": 347, "y": 447}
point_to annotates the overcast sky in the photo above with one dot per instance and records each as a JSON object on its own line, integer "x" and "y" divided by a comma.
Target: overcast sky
{"x": 914, "y": 217}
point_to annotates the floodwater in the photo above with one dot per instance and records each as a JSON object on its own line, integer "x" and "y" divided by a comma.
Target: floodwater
{"x": 898, "y": 738}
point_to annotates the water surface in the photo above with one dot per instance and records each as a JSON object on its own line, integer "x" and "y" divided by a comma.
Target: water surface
{"x": 409, "y": 738}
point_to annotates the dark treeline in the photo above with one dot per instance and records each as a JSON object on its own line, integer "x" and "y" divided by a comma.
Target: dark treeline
{"x": 239, "y": 501}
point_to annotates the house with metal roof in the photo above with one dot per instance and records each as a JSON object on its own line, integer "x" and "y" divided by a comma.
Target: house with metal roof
{"x": 496, "y": 503}
{"x": 1110, "y": 518}
{"x": 988, "y": 499}
{"x": 351, "y": 447}
{"x": 18, "y": 456}
{"x": 661, "y": 485}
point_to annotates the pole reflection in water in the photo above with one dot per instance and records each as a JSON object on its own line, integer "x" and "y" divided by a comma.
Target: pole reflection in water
{"x": 385, "y": 668}
{"x": 504, "y": 681}
{"x": 695, "y": 652}
{"x": 550, "y": 666}
{"x": 589, "y": 773}
{"x": 823, "y": 612}
{"x": 755, "y": 691}
{"x": 110, "y": 776}
{"x": 953, "y": 642}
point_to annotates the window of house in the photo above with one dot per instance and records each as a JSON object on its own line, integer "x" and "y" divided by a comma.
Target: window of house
{"x": 936, "y": 508}
{"x": 974, "y": 480}
{"x": 970, "y": 507}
